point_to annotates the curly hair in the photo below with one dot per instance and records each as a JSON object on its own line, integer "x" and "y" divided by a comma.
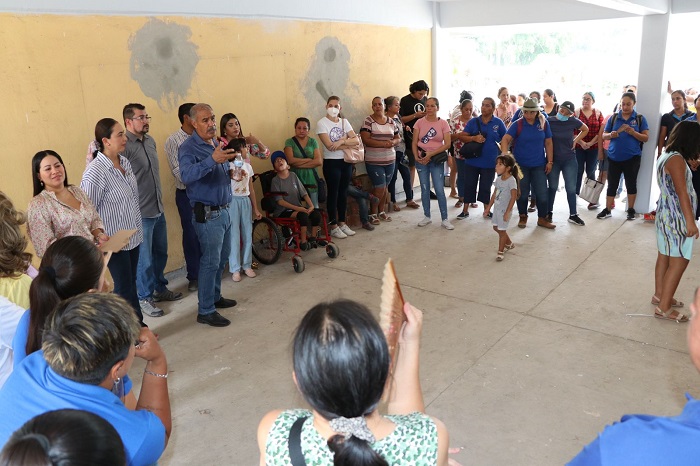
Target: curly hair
{"x": 14, "y": 260}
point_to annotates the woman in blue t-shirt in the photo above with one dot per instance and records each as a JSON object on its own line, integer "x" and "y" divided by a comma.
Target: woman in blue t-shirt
{"x": 532, "y": 140}
{"x": 626, "y": 132}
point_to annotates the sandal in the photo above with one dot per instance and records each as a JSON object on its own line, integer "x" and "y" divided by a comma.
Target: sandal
{"x": 675, "y": 303}
{"x": 499, "y": 256}
{"x": 373, "y": 219}
{"x": 396, "y": 207}
{"x": 509, "y": 246}
{"x": 454, "y": 195}
{"x": 412, "y": 204}
{"x": 680, "y": 317}
{"x": 459, "y": 204}
{"x": 473, "y": 205}
{"x": 384, "y": 216}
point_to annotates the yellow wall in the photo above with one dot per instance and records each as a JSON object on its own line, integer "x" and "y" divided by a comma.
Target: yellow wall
{"x": 60, "y": 74}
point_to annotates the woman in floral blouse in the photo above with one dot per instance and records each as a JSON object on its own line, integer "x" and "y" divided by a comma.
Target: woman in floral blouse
{"x": 59, "y": 209}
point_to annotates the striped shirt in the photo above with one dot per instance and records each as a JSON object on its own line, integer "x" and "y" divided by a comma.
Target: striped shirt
{"x": 115, "y": 196}
{"x": 380, "y": 132}
{"x": 172, "y": 145}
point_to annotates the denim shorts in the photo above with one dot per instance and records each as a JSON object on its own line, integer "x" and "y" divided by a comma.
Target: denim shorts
{"x": 380, "y": 175}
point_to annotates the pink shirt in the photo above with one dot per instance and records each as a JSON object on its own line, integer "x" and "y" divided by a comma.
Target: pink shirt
{"x": 431, "y": 133}
{"x": 49, "y": 219}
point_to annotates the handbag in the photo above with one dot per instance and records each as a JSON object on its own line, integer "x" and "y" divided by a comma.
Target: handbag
{"x": 321, "y": 187}
{"x": 355, "y": 154}
{"x": 590, "y": 190}
{"x": 472, "y": 150}
{"x": 437, "y": 159}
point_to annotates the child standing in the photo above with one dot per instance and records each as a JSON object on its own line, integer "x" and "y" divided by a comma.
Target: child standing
{"x": 242, "y": 210}
{"x": 504, "y": 196}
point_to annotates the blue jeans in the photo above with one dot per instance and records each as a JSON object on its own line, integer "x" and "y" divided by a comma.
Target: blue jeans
{"x": 122, "y": 266}
{"x": 215, "y": 242}
{"x": 190, "y": 243}
{"x": 379, "y": 175}
{"x": 405, "y": 176}
{"x": 153, "y": 255}
{"x": 241, "y": 234}
{"x": 473, "y": 176}
{"x": 588, "y": 159}
{"x": 569, "y": 169}
{"x": 361, "y": 198}
{"x": 437, "y": 173}
{"x": 535, "y": 178}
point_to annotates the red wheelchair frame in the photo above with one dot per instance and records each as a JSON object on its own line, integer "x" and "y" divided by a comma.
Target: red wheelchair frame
{"x": 273, "y": 235}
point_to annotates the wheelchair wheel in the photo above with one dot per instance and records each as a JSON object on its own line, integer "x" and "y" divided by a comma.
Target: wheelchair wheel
{"x": 267, "y": 241}
{"x": 332, "y": 250}
{"x": 298, "y": 264}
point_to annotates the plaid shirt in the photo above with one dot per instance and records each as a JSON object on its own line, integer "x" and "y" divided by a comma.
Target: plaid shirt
{"x": 594, "y": 122}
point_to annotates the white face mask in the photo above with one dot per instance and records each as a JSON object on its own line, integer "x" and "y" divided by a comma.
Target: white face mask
{"x": 333, "y": 111}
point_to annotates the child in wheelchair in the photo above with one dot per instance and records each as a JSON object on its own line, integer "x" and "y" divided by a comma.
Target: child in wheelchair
{"x": 290, "y": 196}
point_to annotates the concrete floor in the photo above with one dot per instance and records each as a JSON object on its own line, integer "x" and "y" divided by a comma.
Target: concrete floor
{"x": 524, "y": 360}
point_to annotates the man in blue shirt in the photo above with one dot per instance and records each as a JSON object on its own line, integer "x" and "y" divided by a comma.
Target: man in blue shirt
{"x": 645, "y": 439}
{"x": 205, "y": 171}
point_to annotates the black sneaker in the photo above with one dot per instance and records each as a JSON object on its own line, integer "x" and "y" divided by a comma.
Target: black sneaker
{"x": 605, "y": 213}
{"x": 549, "y": 217}
{"x": 576, "y": 220}
{"x": 214, "y": 319}
{"x": 631, "y": 214}
{"x": 462, "y": 215}
{"x": 305, "y": 246}
{"x": 224, "y": 303}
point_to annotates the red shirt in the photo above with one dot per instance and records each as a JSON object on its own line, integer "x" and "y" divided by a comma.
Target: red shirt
{"x": 594, "y": 122}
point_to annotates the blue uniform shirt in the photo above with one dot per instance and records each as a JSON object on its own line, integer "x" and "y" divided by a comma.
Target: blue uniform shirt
{"x": 644, "y": 439}
{"x": 34, "y": 388}
{"x": 563, "y": 137}
{"x": 625, "y": 146}
{"x": 528, "y": 148}
{"x": 493, "y": 131}
{"x": 206, "y": 181}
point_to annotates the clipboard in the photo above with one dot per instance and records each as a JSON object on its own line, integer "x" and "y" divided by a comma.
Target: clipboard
{"x": 117, "y": 241}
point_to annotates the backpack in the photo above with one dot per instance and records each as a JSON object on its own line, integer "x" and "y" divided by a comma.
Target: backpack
{"x": 639, "y": 124}
{"x": 519, "y": 128}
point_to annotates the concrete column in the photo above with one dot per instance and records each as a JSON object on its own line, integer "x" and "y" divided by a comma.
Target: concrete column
{"x": 651, "y": 95}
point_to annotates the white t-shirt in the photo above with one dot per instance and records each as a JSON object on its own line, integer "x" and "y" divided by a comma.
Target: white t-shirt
{"x": 241, "y": 188}
{"x": 10, "y": 313}
{"x": 336, "y": 132}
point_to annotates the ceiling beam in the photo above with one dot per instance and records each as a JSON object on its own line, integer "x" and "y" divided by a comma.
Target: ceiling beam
{"x": 636, "y": 7}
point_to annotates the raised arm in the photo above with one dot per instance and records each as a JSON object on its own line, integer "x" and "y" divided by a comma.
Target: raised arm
{"x": 154, "y": 388}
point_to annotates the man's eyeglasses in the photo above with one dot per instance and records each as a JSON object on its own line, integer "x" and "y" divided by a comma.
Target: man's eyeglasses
{"x": 142, "y": 118}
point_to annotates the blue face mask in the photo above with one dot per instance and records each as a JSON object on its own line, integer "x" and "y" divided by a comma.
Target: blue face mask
{"x": 561, "y": 117}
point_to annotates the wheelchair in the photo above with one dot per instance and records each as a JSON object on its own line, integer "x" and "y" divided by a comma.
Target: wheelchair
{"x": 273, "y": 235}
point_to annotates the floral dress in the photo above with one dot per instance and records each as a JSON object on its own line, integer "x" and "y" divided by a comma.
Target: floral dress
{"x": 412, "y": 443}
{"x": 670, "y": 222}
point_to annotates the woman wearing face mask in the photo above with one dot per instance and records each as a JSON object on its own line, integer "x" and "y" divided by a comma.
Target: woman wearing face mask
{"x": 564, "y": 126}
{"x": 336, "y": 133}
{"x": 303, "y": 155}
{"x": 231, "y": 128}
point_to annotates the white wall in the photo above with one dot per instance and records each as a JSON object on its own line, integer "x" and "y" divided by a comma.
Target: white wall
{"x": 404, "y": 13}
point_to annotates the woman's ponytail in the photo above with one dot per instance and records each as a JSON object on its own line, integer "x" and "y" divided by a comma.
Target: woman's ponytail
{"x": 352, "y": 451}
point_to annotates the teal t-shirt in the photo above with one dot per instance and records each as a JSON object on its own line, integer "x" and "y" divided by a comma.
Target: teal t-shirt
{"x": 306, "y": 175}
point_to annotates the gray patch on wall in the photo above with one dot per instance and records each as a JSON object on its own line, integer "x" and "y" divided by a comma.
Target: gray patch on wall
{"x": 329, "y": 74}
{"x": 163, "y": 61}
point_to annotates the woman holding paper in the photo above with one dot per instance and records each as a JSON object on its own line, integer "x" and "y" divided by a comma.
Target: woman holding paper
{"x": 59, "y": 209}
{"x": 110, "y": 184}
{"x": 338, "y": 345}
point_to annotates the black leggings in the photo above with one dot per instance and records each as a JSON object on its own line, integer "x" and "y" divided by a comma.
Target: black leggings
{"x": 337, "y": 173}
{"x": 630, "y": 168}
{"x": 306, "y": 220}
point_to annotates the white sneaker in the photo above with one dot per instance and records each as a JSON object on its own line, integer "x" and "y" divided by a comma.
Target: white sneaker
{"x": 338, "y": 233}
{"x": 425, "y": 221}
{"x": 148, "y": 308}
{"x": 346, "y": 229}
{"x": 447, "y": 225}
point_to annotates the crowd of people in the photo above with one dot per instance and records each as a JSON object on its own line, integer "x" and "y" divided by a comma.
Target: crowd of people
{"x": 72, "y": 344}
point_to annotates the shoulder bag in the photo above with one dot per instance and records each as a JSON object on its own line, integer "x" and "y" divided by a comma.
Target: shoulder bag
{"x": 320, "y": 182}
{"x": 295, "y": 453}
{"x": 472, "y": 150}
{"x": 355, "y": 154}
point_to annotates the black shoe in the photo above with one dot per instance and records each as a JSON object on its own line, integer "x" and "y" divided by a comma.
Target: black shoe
{"x": 631, "y": 214}
{"x": 305, "y": 246}
{"x": 214, "y": 319}
{"x": 462, "y": 215}
{"x": 166, "y": 295}
{"x": 576, "y": 220}
{"x": 193, "y": 285}
{"x": 433, "y": 196}
{"x": 605, "y": 213}
{"x": 223, "y": 303}
{"x": 321, "y": 242}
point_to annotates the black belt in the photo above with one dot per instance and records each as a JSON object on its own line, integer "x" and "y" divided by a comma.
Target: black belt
{"x": 218, "y": 207}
